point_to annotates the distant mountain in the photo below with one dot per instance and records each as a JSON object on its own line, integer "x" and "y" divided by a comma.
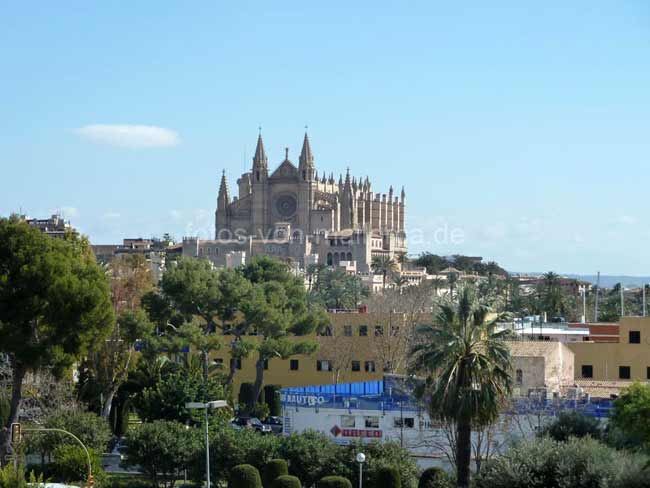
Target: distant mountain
{"x": 606, "y": 281}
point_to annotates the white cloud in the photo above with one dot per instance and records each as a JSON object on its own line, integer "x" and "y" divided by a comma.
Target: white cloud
{"x": 132, "y": 136}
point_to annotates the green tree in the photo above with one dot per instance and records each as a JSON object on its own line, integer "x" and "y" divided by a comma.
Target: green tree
{"x": 572, "y": 424}
{"x": 384, "y": 266}
{"x": 632, "y": 412}
{"x": 468, "y": 366}
{"x": 277, "y": 309}
{"x": 162, "y": 450}
{"x": 336, "y": 289}
{"x": 54, "y": 303}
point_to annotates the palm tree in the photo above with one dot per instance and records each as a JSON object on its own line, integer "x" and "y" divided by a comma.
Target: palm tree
{"x": 468, "y": 368}
{"x": 383, "y": 265}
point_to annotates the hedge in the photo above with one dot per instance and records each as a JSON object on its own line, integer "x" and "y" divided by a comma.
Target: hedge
{"x": 273, "y": 469}
{"x": 334, "y": 482}
{"x": 245, "y": 476}
{"x": 387, "y": 477}
{"x": 287, "y": 481}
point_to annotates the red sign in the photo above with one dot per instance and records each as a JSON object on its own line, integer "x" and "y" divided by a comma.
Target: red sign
{"x": 361, "y": 433}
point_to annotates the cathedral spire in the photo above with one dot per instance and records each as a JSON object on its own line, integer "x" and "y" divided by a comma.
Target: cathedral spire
{"x": 260, "y": 161}
{"x": 306, "y": 157}
{"x": 403, "y": 195}
{"x": 223, "y": 200}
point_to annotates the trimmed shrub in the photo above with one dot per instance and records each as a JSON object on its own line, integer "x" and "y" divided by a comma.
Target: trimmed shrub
{"x": 434, "y": 478}
{"x": 387, "y": 477}
{"x": 71, "y": 464}
{"x": 245, "y": 476}
{"x": 273, "y": 400}
{"x": 246, "y": 400}
{"x": 287, "y": 481}
{"x": 334, "y": 482}
{"x": 273, "y": 469}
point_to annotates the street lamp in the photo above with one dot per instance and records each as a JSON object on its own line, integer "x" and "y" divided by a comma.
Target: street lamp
{"x": 361, "y": 458}
{"x": 206, "y": 406}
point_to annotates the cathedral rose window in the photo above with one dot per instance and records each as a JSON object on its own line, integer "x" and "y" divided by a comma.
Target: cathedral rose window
{"x": 285, "y": 205}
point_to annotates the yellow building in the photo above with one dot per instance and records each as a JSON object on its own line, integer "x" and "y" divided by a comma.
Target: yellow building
{"x": 356, "y": 347}
{"x": 625, "y": 359}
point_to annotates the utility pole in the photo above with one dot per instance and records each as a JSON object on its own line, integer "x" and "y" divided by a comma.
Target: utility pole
{"x": 622, "y": 300}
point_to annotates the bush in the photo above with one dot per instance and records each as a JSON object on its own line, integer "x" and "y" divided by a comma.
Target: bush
{"x": 11, "y": 477}
{"x": 71, "y": 464}
{"x": 162, "y": 449}
{"x": 287, "y": 481}
{"x": 572, "y": 424}
{"x": 434, "y": 478}
{"x": 273, "y": 400}
{"x": 246, "y": 400}
{"x": 245, "y": 476}
{"x": 387, "y": 477}
{"x": 379, "y": 455}
{"x": 576, "y": 463}
{"x": 311, "y": 456}
{"x": 273, "y": 469}
{"x": 334, "y": 482}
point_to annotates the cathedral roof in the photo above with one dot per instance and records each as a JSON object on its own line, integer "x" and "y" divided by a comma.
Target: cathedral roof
{"x": 306, "y": 156}
{"x": 260, "y": 158}
{"x": 286, "y": 169}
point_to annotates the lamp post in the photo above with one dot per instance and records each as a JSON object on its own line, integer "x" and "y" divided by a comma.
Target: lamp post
{"x": 206, "y": 406}
{"x": 361, "y": 458}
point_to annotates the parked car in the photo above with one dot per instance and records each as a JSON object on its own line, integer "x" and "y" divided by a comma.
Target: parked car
{"x": 275, "y": 423}
{"x": 251, "y": 423}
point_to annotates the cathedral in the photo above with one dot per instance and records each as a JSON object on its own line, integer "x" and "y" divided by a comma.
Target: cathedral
{"x": 297, "y": 215}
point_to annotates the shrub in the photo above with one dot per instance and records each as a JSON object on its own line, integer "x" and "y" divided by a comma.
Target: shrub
{"x": 311, "y": 456}
{"x": 578, "y": 463}
{"x": 287, "y": 481}
{"x": 162, "y": 449}
{"x": 245, "y": 476}
{"x": 572, "y": 424}
{"x": 273, "y": 400}
{"x": 434, "y": 478}
{"x": 378, "y": 455}
{"x": 246, "y": 400}
{"x": 334, "y": 482}
{"x": 14, "y": 477}
{"x": 387, "y": 477}
{"x": 273, "y": 469}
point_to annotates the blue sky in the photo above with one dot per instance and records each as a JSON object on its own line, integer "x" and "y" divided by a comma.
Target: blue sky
{"x": 520, "y": 130}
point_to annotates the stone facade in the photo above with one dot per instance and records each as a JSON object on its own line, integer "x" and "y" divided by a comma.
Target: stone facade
{"x": 295, "y": 215}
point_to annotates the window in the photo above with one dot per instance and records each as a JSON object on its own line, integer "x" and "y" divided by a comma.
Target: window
{"x": 379, "y": 330}
{"x": 237, "y": 363}
{"x": 347, "y": 330}
{"x": 356, "y": 366}
{"x": 519, "y": 377}
{"x": 363, "y": 330}
{"x": 647, "y": 373}
{"x": 388, "y": 367}
{"x": 326, "y": 332}
{"x": 347, "y": 421}
{"x": 293, "y": 365}
{"x": 624, "y": 372}
{"x": 409, "y": 422}
{"x": 266, "y": 364}
{"x": 369, "y": 366}
{"x": 587, "y": 371}
{"x": 635, "y": 337}
{"x": 323, "y": 365}
{"x": 372, "y": 422}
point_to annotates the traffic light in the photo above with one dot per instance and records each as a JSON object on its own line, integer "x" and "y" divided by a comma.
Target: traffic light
{"x": 16, "y": 433}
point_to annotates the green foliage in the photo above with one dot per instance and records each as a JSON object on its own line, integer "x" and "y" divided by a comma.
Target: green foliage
{"x": 166, "y": 399}
{"x": 434, "y": 478}
{"x": 14, "y": 477}
{"x": 273, "y": 469}
{"x": 71, "y": 464}
{"x": 632, "y": 412}
{"x": 334, "y": 482}
{"x": 572, "y": 424}
{"x": 246, "y": 396}
{"x": 125, "y": 481}
{"x": 287, "y": 481}
{"x": 245, "y": 476}
{"x": 380, "y": 455}
{"x": 465, "y": 264}
{"x": 162, "y": 449}
{"x": 260, "y": 410}
{"x": 336, "y": 289}
{"x": 54, "y": 299}
{"x": 387, "y": 477}
{"x": 577, "y": 463}
{"x": 273, "y": 400}
{"x": 311, "y": 456}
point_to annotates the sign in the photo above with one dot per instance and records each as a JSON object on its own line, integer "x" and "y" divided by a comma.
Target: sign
{"x": 306, "y": 400}
{"x": 369, "y": 433}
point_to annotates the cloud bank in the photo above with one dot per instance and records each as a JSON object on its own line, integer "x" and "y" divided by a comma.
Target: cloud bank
{"x": 131, "y": 136}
